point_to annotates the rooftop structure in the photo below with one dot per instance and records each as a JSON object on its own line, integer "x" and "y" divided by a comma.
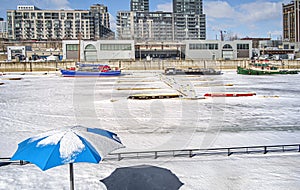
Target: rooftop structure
{"x": 139, "y": 5}
{"x": 27, "y": 8}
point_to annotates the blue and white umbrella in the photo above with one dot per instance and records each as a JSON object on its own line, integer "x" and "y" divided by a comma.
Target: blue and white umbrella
{"x": 67, "y": 145}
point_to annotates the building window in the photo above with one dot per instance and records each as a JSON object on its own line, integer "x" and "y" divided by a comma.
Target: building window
{"x": 242, "y": 46}
{"x": 203, "y": 46}
{"x": 115, "y": 47}
{"x": 72, "y": 47}
{"x": 227, "y": 46}
{"x": 90, "y": 47}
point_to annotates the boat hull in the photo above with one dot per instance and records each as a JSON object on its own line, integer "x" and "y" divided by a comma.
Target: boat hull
{"x": 248, "y": 71}
{"x": 173, "y": 71}
{"x": 70, "y": 73}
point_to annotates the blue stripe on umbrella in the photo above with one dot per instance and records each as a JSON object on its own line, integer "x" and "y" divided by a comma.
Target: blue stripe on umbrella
{"x": 35, "y": 152}
{"x": 48, "y": 153}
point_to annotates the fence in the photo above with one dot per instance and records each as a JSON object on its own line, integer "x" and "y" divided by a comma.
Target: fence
{"x": 200, "y": 152}
{"x": 190, "y": 153}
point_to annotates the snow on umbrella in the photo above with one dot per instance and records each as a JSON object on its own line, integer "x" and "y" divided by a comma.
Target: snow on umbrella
{"x": 67, "y": 145}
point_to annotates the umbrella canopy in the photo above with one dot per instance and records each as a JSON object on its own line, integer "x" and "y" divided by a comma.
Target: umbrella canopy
{"x": 67, "y": 145}
{"x": 142, "y": 177}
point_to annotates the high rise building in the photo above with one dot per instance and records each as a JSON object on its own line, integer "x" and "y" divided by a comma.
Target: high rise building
{"x": 3, "y": 28}
{"x": 139, "y": 5}
{"x": 145, "y": 26}
{"x": 101, "y": 23}
{"x": 186, "y": 22}
{"x": 190, "y": 22}
{"x": 31, "y": 23}
{"x": 291, "y": 21}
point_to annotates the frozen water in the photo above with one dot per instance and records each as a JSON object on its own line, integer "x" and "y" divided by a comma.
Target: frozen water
{"x": 39, "y": 103}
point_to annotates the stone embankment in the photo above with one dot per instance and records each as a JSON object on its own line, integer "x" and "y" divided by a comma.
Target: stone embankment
{"x": 139, "y": 65}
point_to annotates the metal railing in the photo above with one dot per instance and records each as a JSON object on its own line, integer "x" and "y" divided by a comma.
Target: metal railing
{"x": 6, "y": 161}
{"x": 228, "y": 151}
{"x": 190, "y": 153}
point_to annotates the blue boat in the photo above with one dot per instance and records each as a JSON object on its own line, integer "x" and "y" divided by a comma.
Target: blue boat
{"x": 91, "y": 70}
{"x": 72, "y": 73}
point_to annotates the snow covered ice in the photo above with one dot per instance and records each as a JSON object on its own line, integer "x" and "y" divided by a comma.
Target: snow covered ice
{"x": 39, "y": 103}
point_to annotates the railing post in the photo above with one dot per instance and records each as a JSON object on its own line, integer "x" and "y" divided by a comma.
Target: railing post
{"x": 299, "y": 148}
{"x": 191, "y": 153}
{"x": 119, "y": 157}
{"x": 265, "y": 150}
{"x": 155, "y": 155}
{"x": 228, "y": 152}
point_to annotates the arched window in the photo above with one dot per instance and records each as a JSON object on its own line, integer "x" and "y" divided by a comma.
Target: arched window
{"x": 227, "y": 46}
{"x": 90, "y": 47}
{"x": 90, "y": 53}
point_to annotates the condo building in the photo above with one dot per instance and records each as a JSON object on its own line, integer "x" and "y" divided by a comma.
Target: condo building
{"x": 32, "y": 23}
{"x": 291, "y": 21}
{"x": 3, "y": 28}
{"x": 189, "y": 20}
{"x": 186, "y": 22}
{"x": 145, "y": 26}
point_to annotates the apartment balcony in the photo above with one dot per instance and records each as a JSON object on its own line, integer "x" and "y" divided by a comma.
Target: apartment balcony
{"x": 29, "y": 30}
{"x": 18, "y": 33}
{"x": 55, "y": 17}
{"x": 27, "y": 26}
{"x": 57, "y": 33}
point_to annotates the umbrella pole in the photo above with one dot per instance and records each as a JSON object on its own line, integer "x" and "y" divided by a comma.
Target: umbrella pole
{"x": 71, "y": 177}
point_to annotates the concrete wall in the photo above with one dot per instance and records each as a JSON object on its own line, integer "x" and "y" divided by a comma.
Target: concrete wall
{"x": 33, "y": 66}
{"x": 116, "y": 55}
{"x": 139, "y": 65}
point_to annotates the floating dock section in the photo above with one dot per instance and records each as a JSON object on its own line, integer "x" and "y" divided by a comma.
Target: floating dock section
{"x": 229, "y": 94}
{"x": 14, "y": 78}
{"x": 154, "y": 96}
